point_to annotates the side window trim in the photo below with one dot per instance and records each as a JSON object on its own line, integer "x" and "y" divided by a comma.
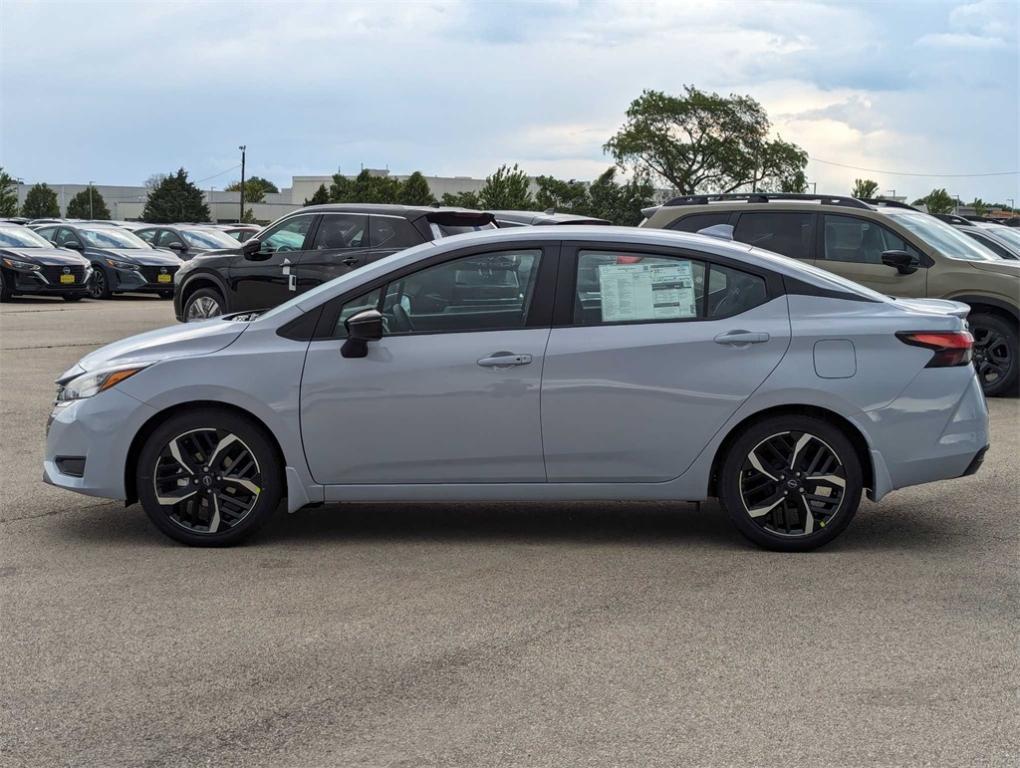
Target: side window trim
{"x": 566, "y": 283}
{"x": 539, "y": 312}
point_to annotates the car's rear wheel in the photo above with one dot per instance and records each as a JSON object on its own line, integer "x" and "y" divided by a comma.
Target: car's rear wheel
{"x": 203, "y": 304}
{"x": 995, "y": 353}
{"x": 209, "y": 477}
{"x": 791, "y": 483}
{"x": 99, "y": 285}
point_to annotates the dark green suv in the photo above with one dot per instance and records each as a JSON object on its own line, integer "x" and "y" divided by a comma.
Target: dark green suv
{"x": 887, "y": 246}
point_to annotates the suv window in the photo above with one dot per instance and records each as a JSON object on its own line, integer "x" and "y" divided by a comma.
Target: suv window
{"x": 482, "y": 292}
{"x": 787, "y": 233}
{"x": 390, "y": 232}
{"x": 848, "y": 238}
{"x": 699, "y": 221}
{"x": 618, "y": 287}
{"x": 288, "y": 235}
{"x": 341, "y": 230}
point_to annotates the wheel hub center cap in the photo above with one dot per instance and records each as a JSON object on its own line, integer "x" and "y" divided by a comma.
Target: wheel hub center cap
{"x": 207, "y": 481}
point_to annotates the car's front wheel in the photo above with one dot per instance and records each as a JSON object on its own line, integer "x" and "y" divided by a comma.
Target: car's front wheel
{"x": 791, "y": 483}
{"x": 99, "y": 285}
{"x": 203, "y": 304}
{"x": 209, "y": 477}
{"x": 995, "y": 353}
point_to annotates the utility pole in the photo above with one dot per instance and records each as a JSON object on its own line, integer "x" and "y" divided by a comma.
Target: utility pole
{"x": 243, "y": 147}
{"x": 91, "y": 214}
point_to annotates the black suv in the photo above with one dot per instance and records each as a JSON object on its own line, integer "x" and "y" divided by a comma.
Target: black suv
{"x": 306, "y": 248}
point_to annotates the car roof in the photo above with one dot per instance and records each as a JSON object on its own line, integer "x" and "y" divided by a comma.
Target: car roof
{"x": 408, "y": 211}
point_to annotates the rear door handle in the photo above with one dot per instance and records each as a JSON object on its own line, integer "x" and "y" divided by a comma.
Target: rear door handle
{"x": 504, "y": 360}
{"x": 350, "y": 261}
{"x": 735, "y": 338}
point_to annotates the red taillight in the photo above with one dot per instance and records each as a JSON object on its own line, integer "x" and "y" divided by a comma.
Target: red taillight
{"x": 950, "y": 347}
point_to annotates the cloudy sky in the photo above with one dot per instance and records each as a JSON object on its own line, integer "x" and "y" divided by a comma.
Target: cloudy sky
{"x": 114, "y": 92}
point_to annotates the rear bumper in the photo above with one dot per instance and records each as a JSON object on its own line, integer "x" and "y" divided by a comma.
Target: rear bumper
{"x": 924, "y": 436}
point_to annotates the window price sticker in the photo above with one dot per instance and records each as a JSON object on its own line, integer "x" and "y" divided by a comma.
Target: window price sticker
{"x": 647, "y": 291}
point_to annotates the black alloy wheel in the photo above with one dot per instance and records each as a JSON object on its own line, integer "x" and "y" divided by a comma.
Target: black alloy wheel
{"x": 99, "y": 285}
{"x": 791, "y": 482}
{"x": 209, "y": 477}
{"x": 995, "y": 354}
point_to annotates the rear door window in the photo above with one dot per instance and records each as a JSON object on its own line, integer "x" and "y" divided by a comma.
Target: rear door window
{"x": 341, "y": 230}
{"x": 699, "y": 221}
{"x": 392, "y": 232}
{"x": 789, "y": 233}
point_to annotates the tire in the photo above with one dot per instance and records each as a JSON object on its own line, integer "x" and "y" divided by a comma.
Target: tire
{"x": 781, "y": 524}
{"x": 996, "y": 353}
{"x": 212, "y": 508}
{"x": 99, "y": 285}
{"x": 203, "y": 304}
{"x": 74, "y": 297}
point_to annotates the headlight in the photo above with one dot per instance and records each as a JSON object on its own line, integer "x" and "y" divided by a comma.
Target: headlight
{"x": 24, "y": 266}
{"x": 117, "y": 264}
{"x": 94, "y": 382}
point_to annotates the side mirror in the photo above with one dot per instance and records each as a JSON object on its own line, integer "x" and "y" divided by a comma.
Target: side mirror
{"x": 73, "y": 245}
{"x": 901, "y": 261}
{"x": 252, "y": 250}
{"x": 362, "y": 328}
{"x": 176, "y": 246}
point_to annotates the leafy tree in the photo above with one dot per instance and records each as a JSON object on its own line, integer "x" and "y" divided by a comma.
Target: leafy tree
{"x": 937, "y": 201}
{"x": 702, "y": 141}
{"x": 864, "y": 188}
{"x": 366, "y": 187}
{"x": 8, "y": 194}
{"x": 40, "y": 202}
{"x": 255, "y": 189}
{"x": 175, "y": 199}
{"x": 461, "y": 199}
{"x": 508, "y": 189}
{"x": 320, "y": 197}
{"x": 562, "y": 196}
{"x": 620, "y": 203}
{"x": 980, "y": 206}
{"x": 80, "y": 207}
{"x": 415, "y": 191}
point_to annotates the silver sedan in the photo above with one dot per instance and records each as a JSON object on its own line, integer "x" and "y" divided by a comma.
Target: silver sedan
{"x": 532, "y": 365}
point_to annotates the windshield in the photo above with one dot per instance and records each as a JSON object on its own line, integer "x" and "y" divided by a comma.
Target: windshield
{"x": 1005, "y": 234}
{"x": 947, "y": 239}
{"x": 19, "y": 237}
{"x": 208, "y": 238}
{"x": 112, "y": 238}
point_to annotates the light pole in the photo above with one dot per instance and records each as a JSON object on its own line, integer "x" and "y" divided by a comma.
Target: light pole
{"x": 1012, "y": 207}
{"x": 91, "y": 214}
{"x": 243, "y": 147}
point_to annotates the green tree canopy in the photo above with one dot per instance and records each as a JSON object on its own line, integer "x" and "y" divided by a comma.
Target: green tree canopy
{"x": 508, "y": 189}
{"x": 864, "y": 188}
{"x": 937, "y": 201}
{"x": 366, "y": 187}
{"x": 461, "y": 199}
{"x": 80, "y": 206}
{"x": 562, "y": 196}
{"x": 320, "y": 197}
{"x": 8, "y": 194}
{"x": 175, "y": 199}
{"x": 701, "y": 141}
{"x": 980, "y": 206}
{"x": 620, "y": 203}
{"x": 40, "y": 202}
{"x": 415, "y": 190}
{"x": 255, "y": 189}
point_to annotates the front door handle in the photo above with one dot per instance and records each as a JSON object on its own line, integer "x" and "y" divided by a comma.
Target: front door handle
{"x": 504, "y": 360}
{"x": 737, "y": 338}
{"x": 350, "y": 261}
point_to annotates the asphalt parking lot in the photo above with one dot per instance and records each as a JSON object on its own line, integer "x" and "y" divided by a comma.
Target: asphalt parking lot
{"x": 471, "y": 635}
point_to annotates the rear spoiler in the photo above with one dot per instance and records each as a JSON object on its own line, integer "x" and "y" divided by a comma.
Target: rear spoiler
{"x": 460, "y": 218}
{"x": 647, "y": 212}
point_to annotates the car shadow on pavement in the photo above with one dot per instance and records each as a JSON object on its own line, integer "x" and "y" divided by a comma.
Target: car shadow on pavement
{"x": 873, "y": 529}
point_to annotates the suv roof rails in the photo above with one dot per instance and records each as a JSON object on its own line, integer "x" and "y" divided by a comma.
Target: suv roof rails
{"x": 952, "y": 218}
{"x": 765, "y": 197}
{"x": 887, "y": 203}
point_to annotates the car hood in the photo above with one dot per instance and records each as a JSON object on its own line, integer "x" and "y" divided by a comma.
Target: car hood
{"x": 186, "y": 340}
{"x": 46, "y": 256}
{"x": 1002, "y": 267}
{"x": 148, "y": 257}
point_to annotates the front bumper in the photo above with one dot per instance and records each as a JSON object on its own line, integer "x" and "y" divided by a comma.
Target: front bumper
{"x": 99, "y": 431}
{"x": 50, "y": 280}
{"x": 144, "y": 280}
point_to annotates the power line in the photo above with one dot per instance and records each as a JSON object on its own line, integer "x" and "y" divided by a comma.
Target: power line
{"x": 199, "y": 181}
{"x": 905, "y": 173}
